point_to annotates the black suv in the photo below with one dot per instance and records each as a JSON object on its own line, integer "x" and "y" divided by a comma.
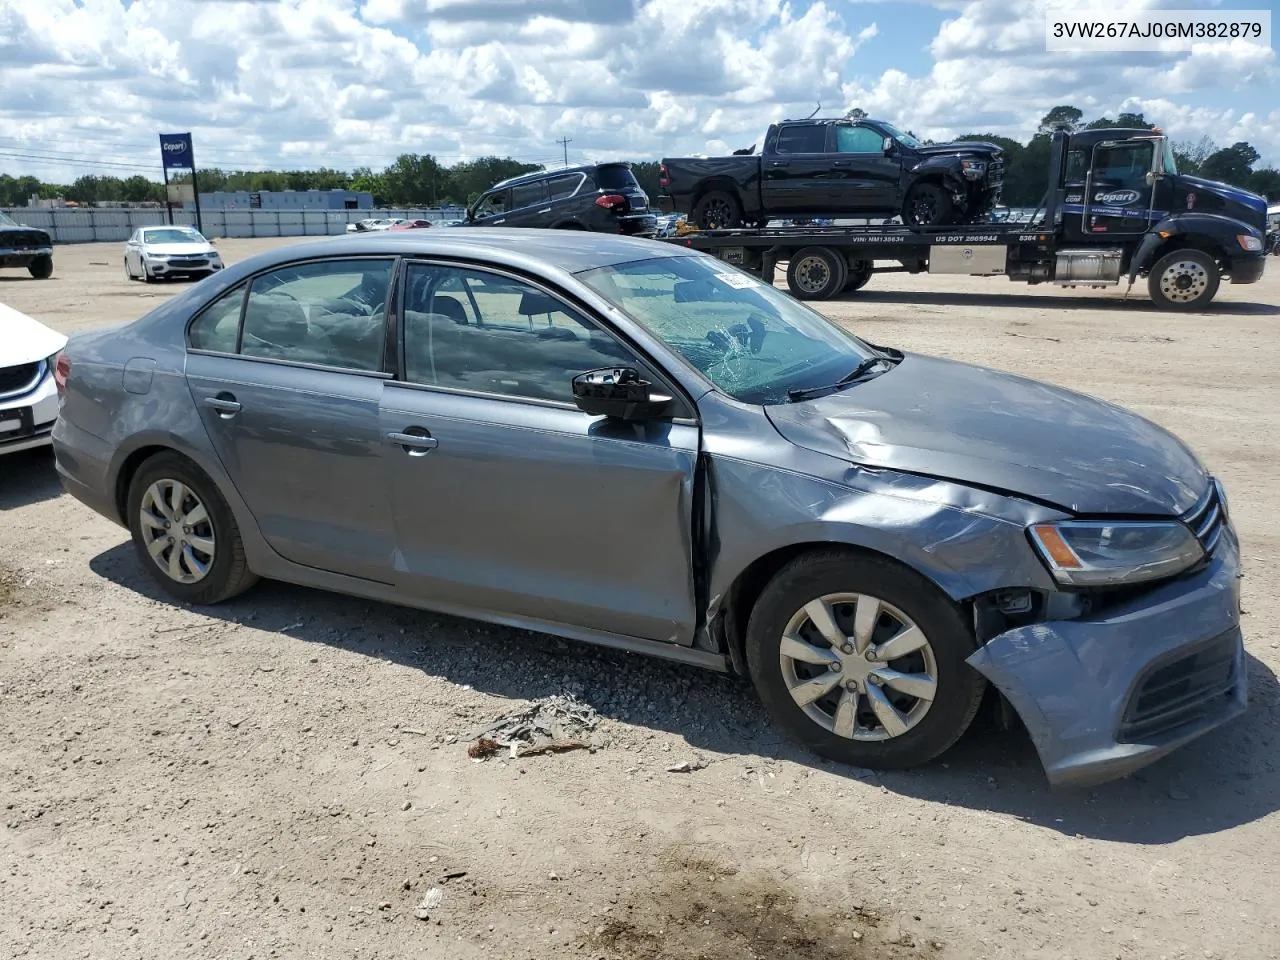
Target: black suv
{"x": 605, "y": 197}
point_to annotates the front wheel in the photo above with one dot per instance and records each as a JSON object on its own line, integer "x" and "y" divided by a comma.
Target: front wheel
{"x": 862, "y": 660}
{"x": 184, "y": 533}
{"x": 927, "y": 205}
{"x": 41, "y": 267}
{"x": 1184, "y": 280}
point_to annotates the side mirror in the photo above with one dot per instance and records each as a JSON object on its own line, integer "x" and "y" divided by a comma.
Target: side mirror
{"x": 887, "y": 145}
{"x": 618, "y": 392}
{"x": 1152, "y": 177}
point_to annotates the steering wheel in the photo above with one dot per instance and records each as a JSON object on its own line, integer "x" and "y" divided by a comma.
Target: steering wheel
{"x": 750, "y": 335}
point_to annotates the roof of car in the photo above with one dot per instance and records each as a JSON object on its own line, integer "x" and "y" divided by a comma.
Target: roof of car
{"x": 558, "y": 172}
{"x": 570, "y": 251}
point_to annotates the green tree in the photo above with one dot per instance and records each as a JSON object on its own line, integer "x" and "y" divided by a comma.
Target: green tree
{"x": 1059, "y": 116}
{"x": 1233, "y": 164}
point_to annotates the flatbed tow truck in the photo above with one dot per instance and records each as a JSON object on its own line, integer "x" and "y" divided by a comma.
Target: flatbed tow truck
{"x": 1116, "y": 208}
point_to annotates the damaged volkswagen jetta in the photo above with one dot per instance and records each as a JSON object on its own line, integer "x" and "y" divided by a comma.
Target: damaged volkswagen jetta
{"x": 631, "y": 444}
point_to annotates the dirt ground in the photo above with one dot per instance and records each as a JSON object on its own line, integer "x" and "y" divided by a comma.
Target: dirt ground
{"x": 286, "y": 775}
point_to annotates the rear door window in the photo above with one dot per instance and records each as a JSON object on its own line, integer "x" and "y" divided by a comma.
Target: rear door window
{"x": 561, "y": 187}
{"x": 528, "y": 194}
{"x": 616, "y": 177}
{"x": 802, "y": 138}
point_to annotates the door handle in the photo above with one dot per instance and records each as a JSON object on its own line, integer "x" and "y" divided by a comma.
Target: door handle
{"x": 548, "y": 210}
{"x": 839, "y": 163}
{"x": 779, "y": 163}
{"x": 226, "y": 405}
{"x": 414, "y": 444}
{"x": 503, "y": 220}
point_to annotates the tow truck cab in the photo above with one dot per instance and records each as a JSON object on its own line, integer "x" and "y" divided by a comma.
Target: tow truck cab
{"x": 1122, "y": 200}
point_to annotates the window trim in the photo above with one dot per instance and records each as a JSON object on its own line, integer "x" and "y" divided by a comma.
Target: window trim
{"x": 665, "y": 379}
{"x": 381, "y": 373}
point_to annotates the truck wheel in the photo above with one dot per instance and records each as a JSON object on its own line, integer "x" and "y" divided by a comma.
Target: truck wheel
{"x": 862, "y": 660}
{"x": 816, "y": 273}
{"x": 1183, "y": 280}
{"x": 717, "y": 210}
{"x": 927, "y": 205}
{"x": 41, "y": 267}
{"x": 859, "y": 274}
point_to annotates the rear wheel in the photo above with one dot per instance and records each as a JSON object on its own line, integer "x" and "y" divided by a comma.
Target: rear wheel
{"x": 1184, "y": 280}
{"x": 184, "y": 533}
{"x": 927, "y": 205}
{"x": 717, "y": 210}
{"x": 41, "y": 267}
{"x": 816, "y": 273}
{"x": 863, "y": 660}
{"x": 859, "y": 274}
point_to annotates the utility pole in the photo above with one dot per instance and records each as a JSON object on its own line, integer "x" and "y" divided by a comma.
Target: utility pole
{"x": 564, "y": 142}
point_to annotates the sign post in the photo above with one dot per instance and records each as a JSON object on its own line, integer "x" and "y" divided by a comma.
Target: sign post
{"x": 176, "y": 153}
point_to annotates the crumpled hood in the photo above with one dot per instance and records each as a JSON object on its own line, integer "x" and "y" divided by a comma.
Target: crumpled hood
{"x": 970, "y": 424}
{"x": 959, "y": 146}
{"x": 24, "y": 340}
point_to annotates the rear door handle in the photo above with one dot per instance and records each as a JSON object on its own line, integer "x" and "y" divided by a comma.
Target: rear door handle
{"x": 414, "y": 444}
{"x": 226, "y": 405}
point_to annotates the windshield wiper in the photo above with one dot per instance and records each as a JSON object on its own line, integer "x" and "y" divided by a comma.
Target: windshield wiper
{"x": 808, "y": 393}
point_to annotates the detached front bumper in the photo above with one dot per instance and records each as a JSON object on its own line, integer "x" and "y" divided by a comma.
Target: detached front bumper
{"x": 1105, "y": 696}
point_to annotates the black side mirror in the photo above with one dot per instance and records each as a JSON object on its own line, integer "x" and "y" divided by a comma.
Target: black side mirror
{"x": 620, "y": 393}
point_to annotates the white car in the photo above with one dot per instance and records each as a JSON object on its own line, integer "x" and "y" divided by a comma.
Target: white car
{"x": 373, "y": 224}
{"x": 28, "y": 370}
{"x": 176, "y": 251}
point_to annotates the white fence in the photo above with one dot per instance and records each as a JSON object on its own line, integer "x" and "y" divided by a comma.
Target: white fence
{"x": 90, "y": 225}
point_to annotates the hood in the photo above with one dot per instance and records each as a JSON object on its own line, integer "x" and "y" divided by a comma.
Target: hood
{"x": 958, "y": 146}
{"x": 1242, "y": 204}
{"x": 179, "y": 249}
{"x": 23, "y": 340}
{"x": 994, "y": 430}
{"x": 8, "y": 232}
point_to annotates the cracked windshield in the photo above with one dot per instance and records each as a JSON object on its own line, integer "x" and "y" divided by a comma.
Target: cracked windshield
{"x": 752, "y": 341}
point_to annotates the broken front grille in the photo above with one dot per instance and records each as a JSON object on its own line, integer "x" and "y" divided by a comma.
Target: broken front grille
{"x": 1188, "y": 689}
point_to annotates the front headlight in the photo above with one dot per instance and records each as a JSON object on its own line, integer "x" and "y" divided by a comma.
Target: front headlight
{"x": 1091, "y": 553}
{"x": 157, "y": 256}
{"x": 973, "y": 168}
{"x": 1252, "y": 244}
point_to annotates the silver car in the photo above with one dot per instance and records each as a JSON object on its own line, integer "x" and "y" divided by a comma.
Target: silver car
{"x": 628, "y": 443}
{"x": 153, "y": 253}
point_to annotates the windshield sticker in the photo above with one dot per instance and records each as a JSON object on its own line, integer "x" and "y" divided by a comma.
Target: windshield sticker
{"x": 738, "y": 281}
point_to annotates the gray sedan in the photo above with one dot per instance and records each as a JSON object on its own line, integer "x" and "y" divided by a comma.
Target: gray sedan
{"x": 627, "y": 443}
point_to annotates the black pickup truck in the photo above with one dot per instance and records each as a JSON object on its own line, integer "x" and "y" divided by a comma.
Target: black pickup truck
{"x": 850, "y": 168}
{"x": 23, "y": 246}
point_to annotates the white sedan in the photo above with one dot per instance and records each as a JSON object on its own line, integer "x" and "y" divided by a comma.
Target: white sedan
{"x": 180, "y": 251}
{"x": 28, "y": 370}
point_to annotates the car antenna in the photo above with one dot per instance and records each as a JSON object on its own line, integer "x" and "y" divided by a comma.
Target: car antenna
{"x": 815, "y": 111}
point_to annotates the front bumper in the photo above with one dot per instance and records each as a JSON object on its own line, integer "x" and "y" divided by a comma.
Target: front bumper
{"x": 172, "y": 268}
{"x": 1248, "y": 269}
{"x": 26, "y": 420}
{"x": 1105, "y": 696}
{"x": 22, "y": 256}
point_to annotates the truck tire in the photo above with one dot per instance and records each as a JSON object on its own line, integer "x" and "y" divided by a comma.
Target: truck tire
{"x": 717, "y": 210}
{"x": 41, "y": 267}
{"x": 1183, "y": 280}
{"x": 859, "y": 274}
{"x": 927, "y": 205}
{"x": 816, "y": 273}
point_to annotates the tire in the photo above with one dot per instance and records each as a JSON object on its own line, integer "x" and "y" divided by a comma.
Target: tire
{"x": 128, "y": 271}
{"x": 1184, "y": 280}
{"x": 41, "y": 267}
{"x": 146, "y": 275}
{"x": 152, "y": 491}
{"x": 927, "y": 205}
{"x": 816, "y": 273}
{"x": 923, "y": 728}
{"x": 717, "y": 210}
{"x": 859, "y": 274}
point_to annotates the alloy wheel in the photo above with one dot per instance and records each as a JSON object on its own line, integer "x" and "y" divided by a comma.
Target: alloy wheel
{"x": 858, "y": 666}
{"x": 177, "y": 531}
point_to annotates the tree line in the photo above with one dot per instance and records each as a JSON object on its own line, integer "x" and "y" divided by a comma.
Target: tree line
{"x": 419, "y": 180}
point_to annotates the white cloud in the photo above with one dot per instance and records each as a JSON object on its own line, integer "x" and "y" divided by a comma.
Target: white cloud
{"x": 356, "y": 82}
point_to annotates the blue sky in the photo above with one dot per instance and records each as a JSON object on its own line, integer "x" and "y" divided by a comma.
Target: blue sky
{"x": 85, "y": 85}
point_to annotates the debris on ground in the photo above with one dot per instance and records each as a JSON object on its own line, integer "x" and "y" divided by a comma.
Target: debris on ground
{"x": 432, "y": 899}
{"x": 686, "y": 766}
{"x": 553, "y": 724}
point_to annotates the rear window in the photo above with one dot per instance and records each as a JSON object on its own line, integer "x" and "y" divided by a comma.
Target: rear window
{"x": 616, "y": 178}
